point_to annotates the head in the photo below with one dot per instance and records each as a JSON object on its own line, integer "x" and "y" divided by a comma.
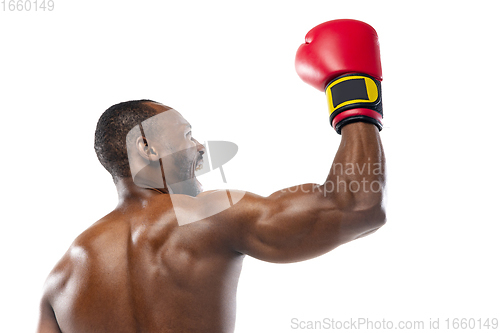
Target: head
{"x": 151, "y": 144}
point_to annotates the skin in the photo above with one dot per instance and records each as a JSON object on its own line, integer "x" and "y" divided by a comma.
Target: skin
{"x": 137, "y": 270}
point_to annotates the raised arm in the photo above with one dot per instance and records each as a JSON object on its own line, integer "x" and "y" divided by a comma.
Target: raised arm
{"x": 308, "y": 220}
{"x": 342, "y": 58}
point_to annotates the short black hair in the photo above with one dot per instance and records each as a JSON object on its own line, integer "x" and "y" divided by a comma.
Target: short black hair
{"x": 111, "y": 134}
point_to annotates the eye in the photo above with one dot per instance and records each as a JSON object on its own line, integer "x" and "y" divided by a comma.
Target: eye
{"x": 188, "y": 134}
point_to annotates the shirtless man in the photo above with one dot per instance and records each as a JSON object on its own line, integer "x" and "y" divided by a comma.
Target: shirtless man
{"x": 139, "y": 269}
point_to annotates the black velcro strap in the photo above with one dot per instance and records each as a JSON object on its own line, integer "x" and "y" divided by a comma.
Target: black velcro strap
{"x": 352, "y": 91}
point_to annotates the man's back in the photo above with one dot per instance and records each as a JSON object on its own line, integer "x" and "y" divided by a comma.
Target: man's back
{"x": 147, "y": 267}
{"x": 137, "y": 270}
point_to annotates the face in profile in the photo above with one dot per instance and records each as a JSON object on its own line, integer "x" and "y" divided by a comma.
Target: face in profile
{"x": 163, "y": 153}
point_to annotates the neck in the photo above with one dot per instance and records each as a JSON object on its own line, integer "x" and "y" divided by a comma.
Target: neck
{"x": 129, "y": 191}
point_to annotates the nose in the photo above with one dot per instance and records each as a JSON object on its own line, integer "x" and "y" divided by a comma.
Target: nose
{"x": 201, "y": 148}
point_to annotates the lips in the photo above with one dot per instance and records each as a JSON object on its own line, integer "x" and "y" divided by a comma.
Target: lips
{"x": 199, "y": 163}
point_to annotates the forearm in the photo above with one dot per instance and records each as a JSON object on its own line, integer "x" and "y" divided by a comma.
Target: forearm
{"x": 357, "y": 177}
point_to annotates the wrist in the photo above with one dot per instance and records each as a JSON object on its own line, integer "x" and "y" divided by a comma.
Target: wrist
{"x": 354, "y": 97}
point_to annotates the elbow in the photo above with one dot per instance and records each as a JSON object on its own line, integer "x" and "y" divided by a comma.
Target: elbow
{"x": 361, "y": 212}
{"x": 369, "y": 215}
{"x": 371, "y": 204}
{"x": 368, "y": 222}
{"x": 370, "y": 207}
{"x": 379, "y": 216}
{"x": 374, "y": 217}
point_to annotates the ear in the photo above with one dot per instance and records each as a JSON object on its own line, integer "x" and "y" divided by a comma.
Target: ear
{"x": 145, "y": 150}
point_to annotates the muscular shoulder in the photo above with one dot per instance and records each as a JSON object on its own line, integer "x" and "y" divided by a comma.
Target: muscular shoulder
{"x": 209, "y": 206}
{"x": 220, "y": 215}
{"x": 74, "y": 262}
{"x": 59, "y": 277}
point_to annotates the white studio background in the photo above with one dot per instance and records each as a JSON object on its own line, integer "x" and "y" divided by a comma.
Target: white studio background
{"x": 228, "y": 67}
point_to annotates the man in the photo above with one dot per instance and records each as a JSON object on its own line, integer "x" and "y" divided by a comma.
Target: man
{"x": 139, "y": 269}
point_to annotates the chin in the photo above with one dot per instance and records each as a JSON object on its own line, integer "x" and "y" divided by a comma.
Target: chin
{"x": 191, "y": 187}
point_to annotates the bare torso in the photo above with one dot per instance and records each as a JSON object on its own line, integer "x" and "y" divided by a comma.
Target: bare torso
{"x": 137, "y": 270}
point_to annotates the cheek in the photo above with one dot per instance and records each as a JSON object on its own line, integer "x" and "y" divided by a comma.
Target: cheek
{"x": 183, "y": 149}
{"x": 186, "y": 154}
{"x": 189, "y": 146}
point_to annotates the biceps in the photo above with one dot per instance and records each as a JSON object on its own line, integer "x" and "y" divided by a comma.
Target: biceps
{"x": 297, "y": 224}
{"x": 292, "y": 227}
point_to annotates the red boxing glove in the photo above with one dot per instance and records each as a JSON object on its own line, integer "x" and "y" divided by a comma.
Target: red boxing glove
{"x": 342, "y": 58}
